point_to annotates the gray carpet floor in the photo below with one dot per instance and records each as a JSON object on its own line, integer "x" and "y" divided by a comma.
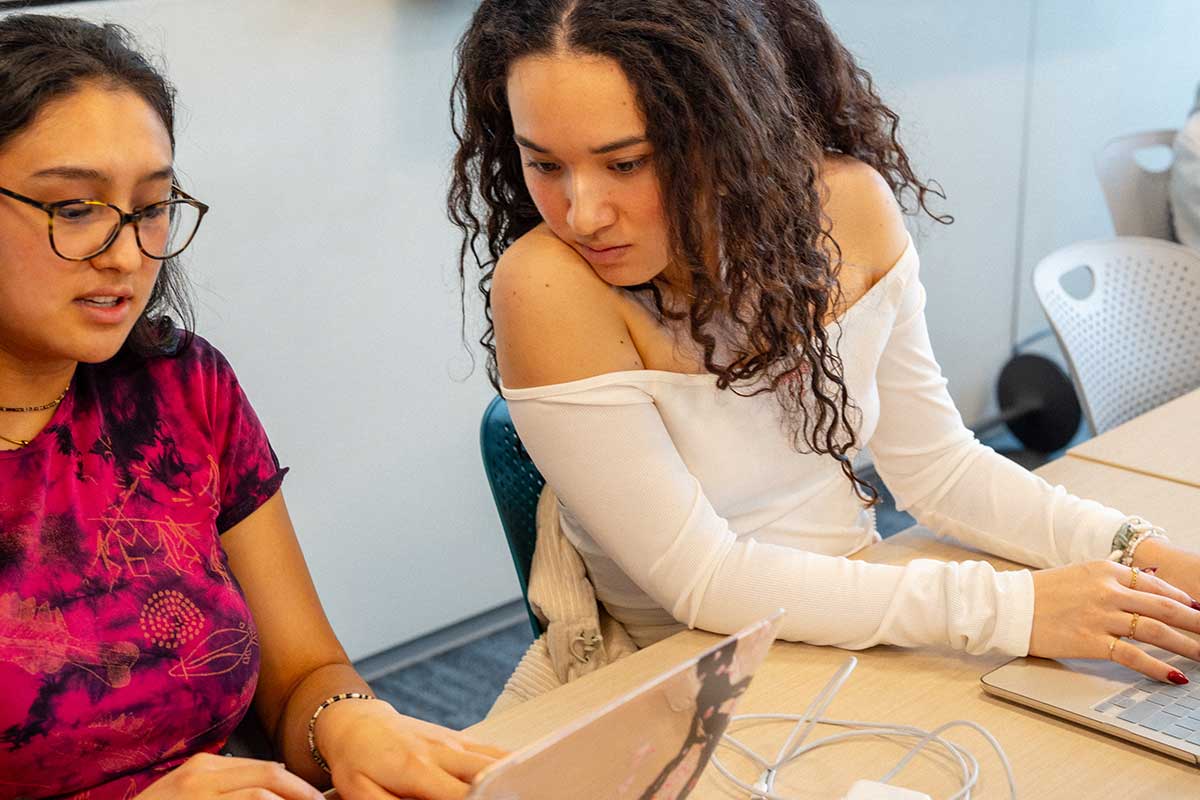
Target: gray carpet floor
{"x": 456, "y": 688}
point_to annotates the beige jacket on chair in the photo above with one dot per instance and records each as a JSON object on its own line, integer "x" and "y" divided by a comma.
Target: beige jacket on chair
{"x": 579, "y": 636}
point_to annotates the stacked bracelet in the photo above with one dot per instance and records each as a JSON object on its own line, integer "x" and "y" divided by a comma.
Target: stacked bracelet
{"x": 312, "y": 723}
{"x": 1133, "y": 532}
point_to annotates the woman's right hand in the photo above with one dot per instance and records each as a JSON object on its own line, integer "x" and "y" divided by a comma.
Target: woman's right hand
{"x": 205, "y": 776}
{"x": 1087, "y": 611}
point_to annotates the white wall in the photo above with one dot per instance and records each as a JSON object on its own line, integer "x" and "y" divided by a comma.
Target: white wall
{"x": 954, "y": 72}
{"x": 325, "y": 271}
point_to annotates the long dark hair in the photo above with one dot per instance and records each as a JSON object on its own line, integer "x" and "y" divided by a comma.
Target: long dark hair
{"x": 742, "y": 100}
{"x": 44, "y": 58}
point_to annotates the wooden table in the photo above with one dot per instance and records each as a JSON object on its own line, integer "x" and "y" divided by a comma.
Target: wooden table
{"x": 1164, "y": 443}
{"x": 923, "y": 687}
{"x": 1172, "y": 505}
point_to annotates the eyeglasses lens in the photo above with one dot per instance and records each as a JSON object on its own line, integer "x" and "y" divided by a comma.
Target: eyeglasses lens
{"x": 81, "y": 230}
{"x": 166, "y": 229}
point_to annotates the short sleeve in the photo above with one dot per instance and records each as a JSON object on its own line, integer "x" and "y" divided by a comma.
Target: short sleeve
{"x": 249, "y": 471}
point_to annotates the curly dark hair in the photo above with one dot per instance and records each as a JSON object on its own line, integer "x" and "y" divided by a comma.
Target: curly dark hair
{"x": 44, "y": 58}
{"x": 742, "y": 100}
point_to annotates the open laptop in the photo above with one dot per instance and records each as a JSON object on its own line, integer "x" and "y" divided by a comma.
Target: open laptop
{"x": 1110, "y": 698}
{"x": 650, "y": 744}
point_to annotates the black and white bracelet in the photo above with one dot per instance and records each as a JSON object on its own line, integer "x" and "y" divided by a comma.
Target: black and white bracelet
{"x": 312, "y": 723}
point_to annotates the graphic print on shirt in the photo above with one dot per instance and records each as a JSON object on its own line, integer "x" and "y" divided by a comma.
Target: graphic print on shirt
{"x": 220, "y": 652}
{"x": 169, "y": 619}
{"x": 177, "y": 539}
{"x": 36, "y": 638}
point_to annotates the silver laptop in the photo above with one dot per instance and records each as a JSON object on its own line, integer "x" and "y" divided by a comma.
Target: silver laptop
{"x": 650, "y": 744}
{"x": 1110, "y": 698}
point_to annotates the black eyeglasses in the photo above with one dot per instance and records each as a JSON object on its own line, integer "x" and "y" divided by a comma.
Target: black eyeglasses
{"x": 83, "y": 229}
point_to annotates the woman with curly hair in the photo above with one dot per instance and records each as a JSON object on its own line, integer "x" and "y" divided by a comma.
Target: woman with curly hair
{"x": 702, "y": 302}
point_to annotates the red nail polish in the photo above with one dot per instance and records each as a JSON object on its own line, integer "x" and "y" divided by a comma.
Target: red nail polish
{"x": 1196, "y": 605}
{"x": 1178, "y": 678}
{"x": 1151, "y": 570}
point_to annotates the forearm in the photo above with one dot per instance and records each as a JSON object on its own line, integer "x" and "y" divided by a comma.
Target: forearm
{"x": 855, "y": 604}
{"x": 997, "y": 506}
{"x": 291, "y": 734}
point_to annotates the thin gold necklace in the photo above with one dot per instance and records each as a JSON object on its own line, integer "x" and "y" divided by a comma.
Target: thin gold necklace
{"x": 22, "y": 409}
{"x": 43, "y": 407}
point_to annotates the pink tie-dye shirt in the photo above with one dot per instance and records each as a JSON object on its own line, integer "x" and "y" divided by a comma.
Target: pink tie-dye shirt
{"x": 126, "y": 644}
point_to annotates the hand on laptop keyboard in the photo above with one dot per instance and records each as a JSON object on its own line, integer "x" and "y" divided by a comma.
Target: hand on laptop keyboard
{"x": 1087, "y": 611}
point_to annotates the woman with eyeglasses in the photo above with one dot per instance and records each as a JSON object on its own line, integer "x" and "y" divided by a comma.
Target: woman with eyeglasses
{"x": 151, "y": 585}
{"x": 687, "y": 219}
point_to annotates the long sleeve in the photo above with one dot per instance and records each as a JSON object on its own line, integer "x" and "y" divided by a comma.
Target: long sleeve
{"x": 956, "y": 486}
{"x": 603, "y": 446}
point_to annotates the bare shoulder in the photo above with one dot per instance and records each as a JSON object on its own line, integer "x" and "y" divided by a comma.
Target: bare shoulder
{"x": 865, "y": 218}
{"x": 556, "y": 321}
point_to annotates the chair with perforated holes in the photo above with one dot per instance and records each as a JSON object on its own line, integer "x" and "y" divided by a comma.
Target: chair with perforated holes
{"x": 516, "y": 485}
{"x": 1137, "y": 196}
{"x": 1124, "y": 312}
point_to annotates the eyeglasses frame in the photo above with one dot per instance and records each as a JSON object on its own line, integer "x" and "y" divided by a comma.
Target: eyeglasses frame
{"x": 126, "y": 218}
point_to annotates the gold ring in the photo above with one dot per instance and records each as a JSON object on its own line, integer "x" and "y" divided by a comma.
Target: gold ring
{"x": 1111, "y": 646}
{"x": 1133, "y": 580}
{"x": 1133, "y": 625}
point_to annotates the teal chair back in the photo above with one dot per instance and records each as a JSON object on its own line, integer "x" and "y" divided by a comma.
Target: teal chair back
{"x": 516, "y": 485}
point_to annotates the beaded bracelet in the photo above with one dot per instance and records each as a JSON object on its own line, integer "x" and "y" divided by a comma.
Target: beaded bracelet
{"x": 1133, "y": 532}
{"x": 312, "y": 724}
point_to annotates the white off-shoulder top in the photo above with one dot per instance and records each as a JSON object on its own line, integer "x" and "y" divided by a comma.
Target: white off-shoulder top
{"x": 690, "y": 506}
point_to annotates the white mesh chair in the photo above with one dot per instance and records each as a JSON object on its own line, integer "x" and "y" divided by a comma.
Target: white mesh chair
{"x": 1136, "y": 196}
{"x": 1131, "y": 338}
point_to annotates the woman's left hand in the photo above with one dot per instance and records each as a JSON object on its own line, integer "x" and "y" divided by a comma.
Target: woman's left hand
{"x": 376, "y": 753}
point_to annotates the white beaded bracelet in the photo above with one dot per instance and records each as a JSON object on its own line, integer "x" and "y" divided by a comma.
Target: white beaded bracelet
{"x": 1132, "y": 533}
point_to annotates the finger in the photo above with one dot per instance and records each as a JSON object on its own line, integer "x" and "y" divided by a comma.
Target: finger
{"x": 432, "y": 783}
{"x": 463, "y": 764}
{"x": 362, "y": 788}
{"x": 265, "y": 775}
{"x": 1137, "y": 659}
{"x": 1152, "y": 584}
{"x": 1160, "y": 607}
{"x": 452, "y": 737}
{"x": 420, "y": 781}
{"x": 480, "y": 747}
{"x": 251, "y": 793}
{"x": 1159, "y": 634}
{"x": 210, "y": 762}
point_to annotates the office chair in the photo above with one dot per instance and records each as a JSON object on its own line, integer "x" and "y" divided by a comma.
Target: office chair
{"x": 1137, "y": 197}
{"x": 516, "y": 485}
{"x": 1124, "y": 312}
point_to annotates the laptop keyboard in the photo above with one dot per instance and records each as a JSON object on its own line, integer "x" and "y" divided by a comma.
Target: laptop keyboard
{"x": 1169, "y": 709}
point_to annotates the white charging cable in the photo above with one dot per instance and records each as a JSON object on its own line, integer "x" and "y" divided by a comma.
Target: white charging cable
{"x": 795, "y": 747}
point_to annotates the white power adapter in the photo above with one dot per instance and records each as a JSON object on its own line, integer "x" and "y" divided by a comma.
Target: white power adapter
{"x": 874, "y": 790}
